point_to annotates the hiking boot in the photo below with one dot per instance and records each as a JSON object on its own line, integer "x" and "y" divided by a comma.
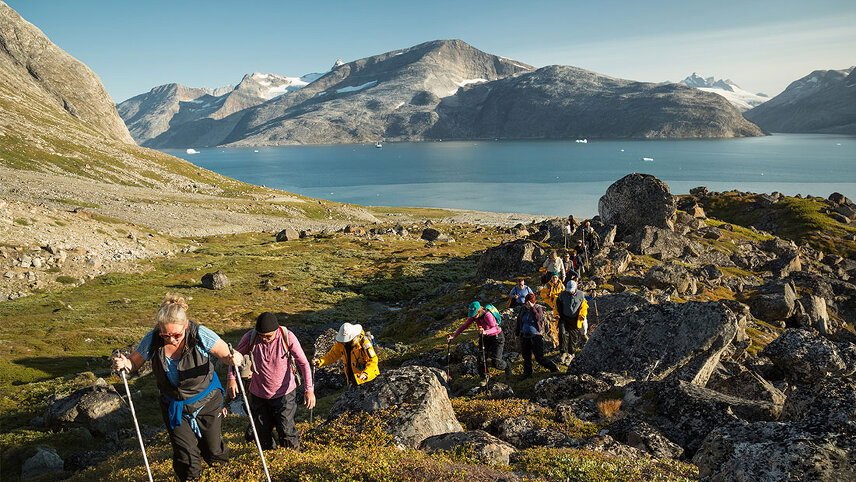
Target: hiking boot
{"x": 508, "y": 370}
{"x": 483, "y": 382}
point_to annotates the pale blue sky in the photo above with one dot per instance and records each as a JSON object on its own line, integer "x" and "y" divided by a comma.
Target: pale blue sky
{"x": 135, "y": 45}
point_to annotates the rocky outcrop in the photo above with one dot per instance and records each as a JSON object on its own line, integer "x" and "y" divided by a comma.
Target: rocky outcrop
{"x": 414, "y": 402}
{"x": 98, "y": 409}
{"x": 30, "y": 61}
{"x": 485, "y": 447}
{"x": 774, "y": 452}
{"x": 655, "y": 342}
{"x": 510, "y": 259}
{"x": 636, "y": 201}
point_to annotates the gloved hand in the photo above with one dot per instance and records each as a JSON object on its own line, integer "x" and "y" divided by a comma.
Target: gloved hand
{"x": 316, "y": 362}
{"x": 122, "y": 364}
{"x": 580, "y": 322}
{"x": 237, "y": 359}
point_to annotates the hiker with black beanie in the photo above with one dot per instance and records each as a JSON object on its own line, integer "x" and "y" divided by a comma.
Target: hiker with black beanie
{"x": 530, "y": 330}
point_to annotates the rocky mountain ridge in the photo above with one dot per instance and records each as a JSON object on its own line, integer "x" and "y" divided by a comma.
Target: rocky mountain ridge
{"x": 447, "y": 89}
{"x": 822, "y": 102}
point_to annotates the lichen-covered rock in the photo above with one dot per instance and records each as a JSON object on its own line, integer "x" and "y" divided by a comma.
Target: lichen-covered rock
{"x": 662, "y": 243}
{"x": 655, "y": 342}
{"x": 774, "y": 452}
{"x": 485, "y": 447}
{"x": 215, "y": 281}
{"x": 750, "y": 386}
{"x": 805, "y": 357}
{"x": 414, "y": 401}
{"x": 567, "y": 387}
{"x": 45, "y": 461}
{"x": 98, "y": 408}
{"x": 671, "y": 275}
{"x": 828, "y": 404}
{"x": 637, "y": 200}
{"x": 524, "y": 433}
{"x": 643, "y": 436}
{"x": 775, "y": 301}
{"x": 509, "y": 259}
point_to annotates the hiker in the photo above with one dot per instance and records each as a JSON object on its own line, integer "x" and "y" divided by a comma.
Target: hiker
{"x": 274, "y": 354}
{"x": 568, "y": 261}
{"x": 590, "y": 238}
{"x": 491, "y": 341}
{"x": 579, "y": 258}
{"x": 530, "y": 330}
{"x": 571, "y": 275}
{"x": 551, "y": 291}
{"x": 573, "y": 308}
{"x": 517, "y": 295}
{"x": 570, "y": 228}
{"x": 191, "y": 402}
{"x": 553, "y": 264}
{"x": 356, "y": 351}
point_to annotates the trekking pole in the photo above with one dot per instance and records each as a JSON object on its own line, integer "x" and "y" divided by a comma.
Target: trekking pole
{"x": 250, "y": 415}
{"x": 312, "y": 410}
{"x": 136, "y": 424}
{"x": 484, "y": 359}
{"x": 449, "y": 359}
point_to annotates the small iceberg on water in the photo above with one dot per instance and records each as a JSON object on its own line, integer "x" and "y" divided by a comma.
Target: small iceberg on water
{"x": 648, "y": 159}
{"x": 581, "y": 141}
{"x": 192, "y": 151}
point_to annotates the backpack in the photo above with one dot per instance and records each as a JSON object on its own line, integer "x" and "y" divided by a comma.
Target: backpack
{"x": 248, "y": 372}
{"x": 496, "y": 315}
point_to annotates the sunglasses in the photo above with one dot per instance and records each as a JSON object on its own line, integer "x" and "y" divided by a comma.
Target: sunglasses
{"x": 168, "y": 336}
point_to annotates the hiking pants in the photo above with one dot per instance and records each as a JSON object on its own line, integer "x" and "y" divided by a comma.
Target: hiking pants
{"x": 187, "y": 449}
{"x": 534, "y": 345}
{"x": 492, "y": 350}
{"x": 276, "y": 413}
{"x": 567, "y": 335}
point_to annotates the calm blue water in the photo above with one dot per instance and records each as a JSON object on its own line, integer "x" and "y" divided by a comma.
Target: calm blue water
{"x": 539, "y": 177}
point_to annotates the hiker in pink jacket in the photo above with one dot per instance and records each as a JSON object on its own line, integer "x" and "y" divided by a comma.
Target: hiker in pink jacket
{"x": 491, "y": 341}
{"x": 275, "y": 355}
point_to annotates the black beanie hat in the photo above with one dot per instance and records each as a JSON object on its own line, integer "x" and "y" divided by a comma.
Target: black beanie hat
{"x": 266, "y": 322}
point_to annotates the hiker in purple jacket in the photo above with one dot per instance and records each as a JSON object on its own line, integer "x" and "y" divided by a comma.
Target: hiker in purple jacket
{"x": 491, "y": 341}
{"x": 274, "y": 352}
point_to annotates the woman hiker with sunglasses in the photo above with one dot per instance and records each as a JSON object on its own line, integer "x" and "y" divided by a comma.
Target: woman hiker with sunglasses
{"x": 191, "y": 399}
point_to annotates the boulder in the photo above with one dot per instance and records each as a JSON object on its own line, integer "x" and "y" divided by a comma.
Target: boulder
{"x": 838, "y": 199}
{"x": 805, "y": 357}
{"x": 414, "y": 402}
{"x": 645, "y": 437}
{"x": 661, "y": 243}
{"x": 774, "y": 301}
{"x": 567, "y": 387}
{"x": 686, "y": 413}
{"x": 584, "y": 409}
{"x": 611, "y": 303}
{"x": 45, "y": 462}
{"x": 671, "y": 275}
{"x": 485, "y": 447}
{"x": 430, "y": 234}
{"x": 655, "y": 342}
{"x": 215, "y": 281}
{"x": 510, "y": 259}
{"x": 635, "y": 201}
{"x": 99, "y": 409}
{"x": 287, "y": 234}
{"x": 774, "y": 452}
{"x": 827, "y": 404}
{"x": 524, "y": 433}
{"x": 750, "y": 386}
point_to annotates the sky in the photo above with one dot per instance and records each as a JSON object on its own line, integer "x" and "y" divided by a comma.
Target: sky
{"x": 762, "y": 45}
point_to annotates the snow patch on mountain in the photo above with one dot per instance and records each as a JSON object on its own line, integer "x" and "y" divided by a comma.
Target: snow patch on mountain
{"x": 741, "y": 99}
{"x": 356, "y": 88}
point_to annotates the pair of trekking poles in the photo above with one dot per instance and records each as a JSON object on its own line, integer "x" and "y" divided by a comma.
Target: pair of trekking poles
{"x": 246, "y": 405}
{"x": 484, "y": 359}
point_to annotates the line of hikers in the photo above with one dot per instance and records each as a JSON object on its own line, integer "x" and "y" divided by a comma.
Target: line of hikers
{"x": 192, "y": 399}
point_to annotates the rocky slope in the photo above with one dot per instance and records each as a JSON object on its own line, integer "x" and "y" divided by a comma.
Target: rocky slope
{"x": 168, "y": 106}
{"x": 41, "y": 72}
{"x": 741, "y": 99}
{"x": 821, "y": 102}
{"x": 447, "y": 89}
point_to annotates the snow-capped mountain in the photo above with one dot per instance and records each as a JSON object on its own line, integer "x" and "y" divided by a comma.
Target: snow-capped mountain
{"x": 167, "y": 106}
{"x": 742, "y": 99}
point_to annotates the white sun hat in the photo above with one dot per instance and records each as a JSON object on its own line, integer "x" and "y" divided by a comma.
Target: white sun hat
{"x": 348, "y": 332}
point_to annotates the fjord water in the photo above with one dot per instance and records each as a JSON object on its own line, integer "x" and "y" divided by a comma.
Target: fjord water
{"x": 538, "y": 177}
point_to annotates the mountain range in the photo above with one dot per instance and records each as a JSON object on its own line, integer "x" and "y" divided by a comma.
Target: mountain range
{"x": 822, "y": 102}
{"x": 444, "y": 89}
{"x": 743, "y": 100}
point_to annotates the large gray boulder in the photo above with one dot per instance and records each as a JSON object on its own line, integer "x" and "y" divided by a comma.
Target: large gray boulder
{"x": 414, "y": 400}
{"x": 215, "y": 281}
{"x": 637, "y": 200}
{"x": 750, "y": 386}
{"x": 98, "y": 408}
{"x": 828, "y": 404}
{"x": 485, "y": 447}
{"x": 671, "y": 275}
{"x": 686, "y": 413}
{"x": 774, "y": 301}
{"x": 567, "y": 387}
{"x": 45, "y": 462}
{"x": 774, "y": 452}
{"x": 655, "y": 342}
{"x": 645, "y": 437}
{"x": 662, "y": 243}
{"x": 510, "y": 259}
{"x": 805, "y": 357}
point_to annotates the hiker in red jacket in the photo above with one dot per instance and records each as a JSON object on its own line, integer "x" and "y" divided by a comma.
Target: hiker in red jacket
{"x": 274, "y": 353}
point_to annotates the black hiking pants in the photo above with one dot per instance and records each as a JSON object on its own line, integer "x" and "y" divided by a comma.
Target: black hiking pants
{"x": 491, "y": 348}
{"x": 276, "y": 414}
{"x": 534, "y": 345}
{"x": 187, "y": 449}
{"x": 568, "y": 335}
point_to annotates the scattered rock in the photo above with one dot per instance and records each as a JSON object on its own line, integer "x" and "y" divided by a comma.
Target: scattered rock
{"x": 643, "y": 436}
{"x": 287, "y": 234}
{"x": 775, "y": 301}
{"x": 671, "y": 275}
{"x": 635, "y": 201}
{"x": 510, "y": 259}
{"x": 806, "y": 357}
{"x": 99, "y": 409}
{"x": 430, "y": 234}
{"x": 215, "y": 281}
{"x": 46, "y": 461}
{"x": 485, "y": 447}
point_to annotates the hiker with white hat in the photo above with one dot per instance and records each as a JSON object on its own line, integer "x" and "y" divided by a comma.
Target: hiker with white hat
{"x": 573, "y": 322}
{"x": 356, "y": 351}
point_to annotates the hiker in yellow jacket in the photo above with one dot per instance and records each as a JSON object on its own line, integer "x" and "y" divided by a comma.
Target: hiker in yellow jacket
{"x": 550, "y": 291}
{"x": 356, "y": 352}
